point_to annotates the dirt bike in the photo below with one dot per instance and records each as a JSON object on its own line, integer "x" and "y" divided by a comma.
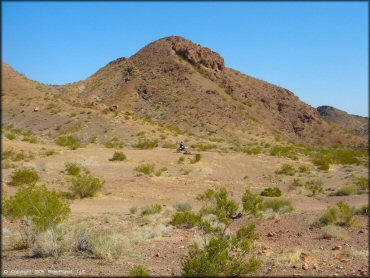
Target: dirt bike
{"x": 184, "y": 150}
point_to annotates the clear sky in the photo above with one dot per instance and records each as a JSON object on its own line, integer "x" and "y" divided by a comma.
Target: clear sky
{"x": 318, "y": 50}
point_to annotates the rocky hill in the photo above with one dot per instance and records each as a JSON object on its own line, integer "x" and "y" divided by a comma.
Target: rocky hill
{"x": 175, "y": 83}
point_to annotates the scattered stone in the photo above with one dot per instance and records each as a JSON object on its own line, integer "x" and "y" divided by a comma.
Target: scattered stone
{"x": 158, "y": 254}
{"x": 299, "y": 234}
{"x": 182, "y": 247}
{"x": 361, "y": 232}
{"x": 305, "y": 257}
{"x": 337, "y": 247}
{"x": 315, "y": 266}
{"x": 271, "y": 234}
{"x": 305, "y": 266}
{"x": 35, "y": 109}
{"x": 344, "y": 260}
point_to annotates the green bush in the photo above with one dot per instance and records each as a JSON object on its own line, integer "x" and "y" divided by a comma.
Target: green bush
{"x": 322, "y": 163}
{"x": 251, "y": 202}
{"x": 304, "y": 169}
{"x": 289, "y": 152}
{"x": 153, "y": 209}
{"x": 271, "y": 192}
{"x": 85, "y": 186}
{"x": 277, "y": 205}
{"x": 341, "y": 215}
{"x": 196, "y": 159}
{"x": 118, "y": 156}
{"x": 160, "y": 171}
{"x": 182, "y": 206}
{"x": 68, "y": 141}
{"x": 185, "y": 219}
{"x": 362, "y": 183}
{"x": 223, "y": 256}
{"x": 146, "y": 169}
{"x": 286, "y": 169}
{"x": 219, "y": 204}
{"x": 316, "y": 186}
{"x": 114, "y": 143}
{"x": 144, "y": 144}
{"x": 139, "y": 271}
{"x": 346, "y": 190}
{"x": 73, "y": 169}
{"x": 24, "y": 177}
{"x": 364, "y": 210}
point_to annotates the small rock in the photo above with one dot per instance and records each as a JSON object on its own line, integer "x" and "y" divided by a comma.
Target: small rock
{"x": 337, "y": 247}
{"x": 182, "y": 247}
{"x": 299, "y": 234}
{"x": 361, "y": 232}
{"x": 305, "y": 266}
{"x": 344, "y": 260}
{"x": 305, "y": 257}
{"x": 158, "y": 254}
{"x": 271, "y": 234}
{"x": 315, "y": 266}
{"x": 35, "y": 109}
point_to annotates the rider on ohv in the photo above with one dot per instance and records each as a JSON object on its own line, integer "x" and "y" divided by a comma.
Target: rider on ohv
{"x": 182, "y": 146}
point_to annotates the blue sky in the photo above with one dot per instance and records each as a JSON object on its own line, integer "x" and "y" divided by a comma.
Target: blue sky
{"x": 318, "y": 50}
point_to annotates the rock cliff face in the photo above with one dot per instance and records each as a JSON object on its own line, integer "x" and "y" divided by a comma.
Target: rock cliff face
{"x": 181, "y": 84}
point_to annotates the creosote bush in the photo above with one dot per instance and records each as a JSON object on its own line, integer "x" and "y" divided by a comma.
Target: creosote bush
{"x": 68, "y": 141}
{"x": 277, "y": 205}
{"x": 156, "y": 208}
{"x": 345, "y": 190}
{"x": 139, "y": 271}
{"x": 114, "y": 143}
{"x": 362, "y": 183}
{"x": 315, "y": 186}
{"x": 144, "y": 144}
{"x": 182, "y": 206}
{"x": 341, "y": 215}
{"x": 85, "y": 186}
{"x": 252, "y": 203}
{"x": 185, "y": 219}
{"x": 146, "y": 169}
{"x": 196, "y": 159}
{"x": 24, "y": 177}
{"x": 286, "y": 169}
{"x": 73, "y": 169}
{"x": 271, "y": 192}
{"x": 118, "y": 156}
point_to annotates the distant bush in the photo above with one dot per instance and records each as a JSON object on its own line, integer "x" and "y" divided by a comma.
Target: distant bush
{"x": 146, "y": 169}
{"x": 252, "y": 203}
{"x": 24, "y": 177}
{"x": 204, "y": 146}
{"x": 153, "y": 209}
{"x": 277, "y": 205}
{"x": 73, "y": 169}
{"x": 196, "y": 159}
{"x": 362, "y": 183}
{"x": 271, "y": 192}
{"x": 332, "y": 231}
{"x": 341, "y": 215}
{"x": 182, "y": 206}
{"x": 322, "y": 163}
{"x": 160, "y": 171}
{"x": 289, "y": 152}
{"x": 219, "y": 204}
{"x": 68, "y": 141}
{"x": 85, "y": 186}
{"x": 133, "y": 210}
{"x": 304, "y": 169}
{"x": 145, "y": 144}
{"x": 139, "y": 271}
{"x": 346, "y": 190}
{"x": 364, "y": 210}
{"x": 185, "y": 219}
{"x": 114, "y": 143}
{"x": 286, "y": 169}
{"x": 223, "y": 256}
{"x": 297, "y": 183}
{"x": 118, "y": 156}
{"x": 316, "y": 186}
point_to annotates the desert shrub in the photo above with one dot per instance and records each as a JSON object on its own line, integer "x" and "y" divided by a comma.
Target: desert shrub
{"x": 139, "y": 271}
{"x": 182, "y": 206}
{"x": 222, "y": 256}
{"x": 85, "y": 186}
{"x": 10, "y": 135}
{"x": 271, "y": 192}
{"x": 185, "y": 219}
{"x": 332, "y": 231}
{"x": 364, "y": 210}
{"x": 251, "y": 202}
{"x": 93, "y": 139}
{"x": 144, "y": 144}
{"x": 24, "y": 177}
{"x": 133, "y": 210}
{"x": 362, "y": 183}
{"x": 203, "y": 146}
{"x": 31, "y": 139}
{"x": 68, "y": 141}
{"x": 50, "y": 152}
{"x": 286, "y": 169}
{"x": 197, "y": 158}
{"x": 156, "y": 208}
{"x": 304, "y": 169}
{"x": 114, "y": 143}
{"x": 146, "y": 169}
{"x": 277, "y": 205}
{"x": 118, "y": 156}
{"x": 17, "y": 156}
{"x": 345, "y": 190}
{"x": 316, "y": 186}
{"x": 297, "y": 183}
{"x": 289, "y": 152}
{"x": 160, "y": 171}
{"x": 49, "y": 243}
{"x": 341, "y": 215}
{"x": 322, "y": 163}
{"x": 219, "y": 204}
{"x": 43, "y": 208}
{"x": 181, "y": 160}
{"x": 73, "y": 169}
